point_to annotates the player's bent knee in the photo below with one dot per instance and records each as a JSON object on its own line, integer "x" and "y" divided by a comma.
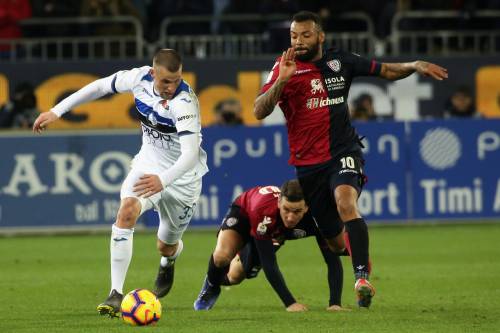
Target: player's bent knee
{"x": 128, "y": 213}
{"x": 222, "y": 258}
{"x": 336, "y": 245}
{"x": 235, "y": 279}
{"x": 166, "y": 250}
{"x": 347, "y": 210}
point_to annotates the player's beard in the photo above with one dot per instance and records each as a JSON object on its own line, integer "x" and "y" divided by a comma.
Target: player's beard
{"x": 310, "y": 54}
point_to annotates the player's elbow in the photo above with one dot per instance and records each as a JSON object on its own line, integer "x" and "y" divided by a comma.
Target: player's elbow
{"x": 259, "y": 111}
{"x": 258, "y": 114}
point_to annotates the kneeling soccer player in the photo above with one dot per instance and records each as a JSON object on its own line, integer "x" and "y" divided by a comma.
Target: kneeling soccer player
{"x": 256, "y": 226}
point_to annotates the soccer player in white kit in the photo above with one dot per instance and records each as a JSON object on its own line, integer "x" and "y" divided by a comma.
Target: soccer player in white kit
{"x": 165, "y": 174}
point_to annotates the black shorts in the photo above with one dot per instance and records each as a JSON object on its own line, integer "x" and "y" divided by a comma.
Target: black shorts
{"x": 319, "y": 188}
{"x": 234, "y": 220}
{"x": 249, "y": 255}
{"x": 250, "y": 260}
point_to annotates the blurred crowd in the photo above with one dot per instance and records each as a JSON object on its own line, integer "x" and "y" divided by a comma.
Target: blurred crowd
{"x": 460, "y": 104}
{"x": 152, "y": 12}
{"x": 21, "y": 111}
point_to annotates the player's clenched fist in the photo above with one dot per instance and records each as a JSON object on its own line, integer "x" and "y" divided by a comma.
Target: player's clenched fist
{"x": 43, "y": 120}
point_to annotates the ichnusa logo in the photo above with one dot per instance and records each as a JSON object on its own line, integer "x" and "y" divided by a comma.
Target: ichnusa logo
{"x": 314, "y": 103}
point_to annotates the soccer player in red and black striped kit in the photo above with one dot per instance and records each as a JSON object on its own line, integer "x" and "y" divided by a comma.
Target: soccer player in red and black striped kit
{"x": 257, "y": 224}
{"x": 311, "y": 87}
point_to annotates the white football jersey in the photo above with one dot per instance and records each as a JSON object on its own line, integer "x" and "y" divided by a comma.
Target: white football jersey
{"x": 163, "y": 121}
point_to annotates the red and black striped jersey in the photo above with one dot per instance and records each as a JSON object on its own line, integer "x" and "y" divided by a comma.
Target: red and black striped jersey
{"x": 314, "y": 102}
{"x": 260, "y": 205}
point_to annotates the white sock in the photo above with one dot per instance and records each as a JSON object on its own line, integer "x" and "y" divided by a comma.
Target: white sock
{"x": 121, "y": 254}
{"x": 165, "y": 261}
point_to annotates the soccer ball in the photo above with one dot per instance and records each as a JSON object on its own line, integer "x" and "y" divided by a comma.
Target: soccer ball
{"x": 140, "y": 307}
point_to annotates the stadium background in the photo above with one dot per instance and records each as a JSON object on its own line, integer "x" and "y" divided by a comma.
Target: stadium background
{"x": 424, "y": 166}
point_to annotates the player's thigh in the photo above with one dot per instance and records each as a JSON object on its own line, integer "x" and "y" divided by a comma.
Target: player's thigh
{"x": 127, "y": 191}
{"x": 348, "y": 171}
{"x": 233, "y": 233}
{"x": 250, "y": 260}
{"x": 236, "y": 273}
{"x": 237, "y": 221}
{"x": 229, "y": 242}
{"x": 321, "y": 203}
{"x": 175, "y": 209}
{"x": 346, "y": 182}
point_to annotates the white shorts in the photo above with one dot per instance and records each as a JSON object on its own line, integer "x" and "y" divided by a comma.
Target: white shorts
{"x": 175, "y": 205}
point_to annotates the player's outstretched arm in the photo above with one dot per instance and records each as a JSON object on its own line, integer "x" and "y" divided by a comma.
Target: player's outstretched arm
{"x": 90, "y": 92}
{"x": 43, "y": 120}
{"x": 265, "y": 103}
{"x": 273, "y": 274}
{"x": 397, "y": 71}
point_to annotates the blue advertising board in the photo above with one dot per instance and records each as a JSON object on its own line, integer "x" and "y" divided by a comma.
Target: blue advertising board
{"x": 384, "y": 197}
{"x": 57, "y": 180}
{"x": 426, "y": 170}
{"x": 455, "y": 168}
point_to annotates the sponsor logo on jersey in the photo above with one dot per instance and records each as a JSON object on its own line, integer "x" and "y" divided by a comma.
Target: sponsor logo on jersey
{"x": 186, "y": 117}
{"x": 144, "y": 90}
{"x": 335, "y": 83}
{"x": 186, "y": 100}
{"x": 316, "y": 86}
{"x": 334, "y": 65}
{"x": 302, "y": 71}
{"x": 262, "y": 227}
{"x": 336, "y": 79}
{"x": 156, "y": 135}
{"x": 315, "y": 102}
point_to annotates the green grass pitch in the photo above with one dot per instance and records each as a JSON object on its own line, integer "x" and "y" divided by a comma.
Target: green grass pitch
{"x": 428, "y": 279}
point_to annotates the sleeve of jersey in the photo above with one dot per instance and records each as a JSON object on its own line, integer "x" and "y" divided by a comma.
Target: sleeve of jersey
{"x": 187, "y": 115}
{"x": 190, "y": 147}
{"x": 271, "y": 78}
{"x": 124, "y": 81}
{"x": 273, "y": 274}
{"x": 363, "y": 66}
{"x": 90, "y": 92}
{"x": 118, "y": 82}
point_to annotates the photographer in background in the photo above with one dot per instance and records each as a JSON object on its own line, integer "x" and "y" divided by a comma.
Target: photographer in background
{"x": 228, "y": 113}
{"x": 21, "y": 111}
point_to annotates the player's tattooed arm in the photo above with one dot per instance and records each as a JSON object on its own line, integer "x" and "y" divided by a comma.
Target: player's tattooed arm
{"x": 397, "y": 71}
{"x": 265, "y": 103}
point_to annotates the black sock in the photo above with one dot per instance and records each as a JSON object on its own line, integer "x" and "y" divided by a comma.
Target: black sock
{"x": 216, "y": 274}
{"x": 344, "y": 253}
{"x": 225, "y": 281}
{"x": 358, "y": 238}
{"x": 335, "y": 280}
